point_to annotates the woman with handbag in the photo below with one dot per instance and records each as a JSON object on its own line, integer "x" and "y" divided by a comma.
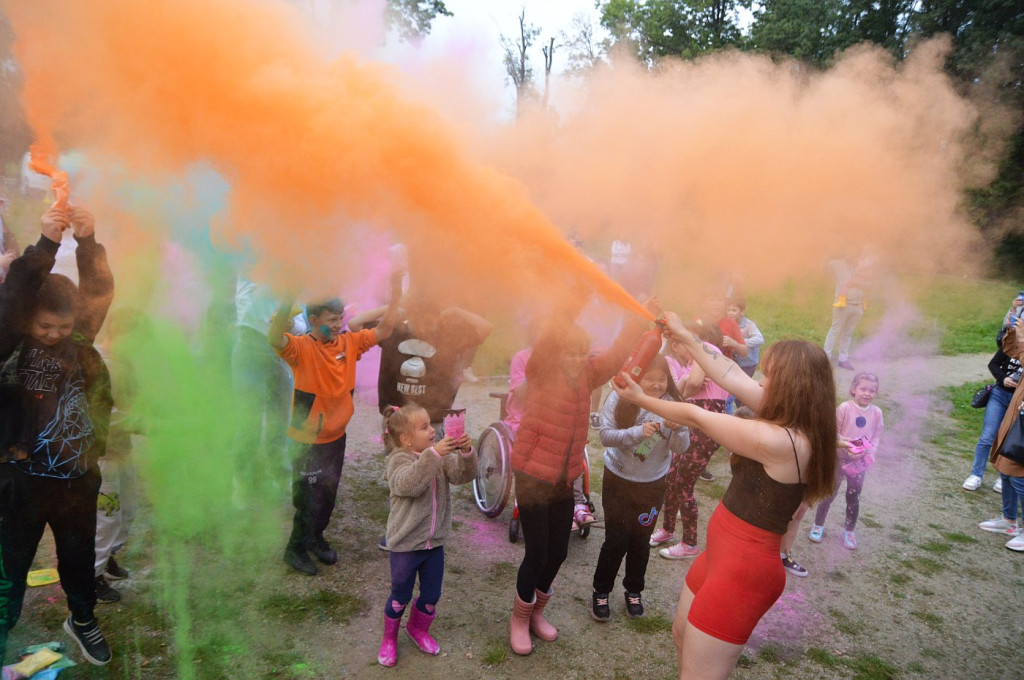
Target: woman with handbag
{"x": 1007, "y": 455}
{"x": 1006, "y": 370}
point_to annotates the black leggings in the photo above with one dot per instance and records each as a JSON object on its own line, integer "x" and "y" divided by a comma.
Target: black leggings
{"x": 545, "y": 515}
{"x": 630, "y": 513}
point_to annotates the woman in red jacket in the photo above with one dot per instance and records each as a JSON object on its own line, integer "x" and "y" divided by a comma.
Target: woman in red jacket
{"x": 548, "y": 455}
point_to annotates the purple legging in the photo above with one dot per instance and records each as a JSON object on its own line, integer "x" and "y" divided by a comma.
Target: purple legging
{"x": 854, "y": 485}
{"x": 683, "y": 474}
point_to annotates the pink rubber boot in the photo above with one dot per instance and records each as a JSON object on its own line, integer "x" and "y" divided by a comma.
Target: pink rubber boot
{"x": 519, "y": 627}
{"x": 418, "y": 629}
{"x": 388, "y": 654}
{"x": 539, "y": 626}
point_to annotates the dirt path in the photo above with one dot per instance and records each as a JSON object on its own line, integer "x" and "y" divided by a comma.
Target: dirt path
{"x": 925, "y": 595}
{"x": 919, "y": 594}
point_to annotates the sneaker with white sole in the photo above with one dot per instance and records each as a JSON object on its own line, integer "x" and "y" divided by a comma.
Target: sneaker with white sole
{"x": 999, "y": 525}
{"x": 89, "y": 638}
{"x": 972, "y": 483}
{"x": 849, "y": 540}
{"x": 1016, "y": 543}
{"x": 998, "y": 486}
{"x": 680, "y": 551}
{"x": 793, "y": 567}
{"x": 660, "y": 536}
{"x": 817, "y": 532}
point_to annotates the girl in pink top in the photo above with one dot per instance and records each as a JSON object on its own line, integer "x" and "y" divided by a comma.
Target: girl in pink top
{"x": 686, "y": 468}
{"x": 860, "y": 429}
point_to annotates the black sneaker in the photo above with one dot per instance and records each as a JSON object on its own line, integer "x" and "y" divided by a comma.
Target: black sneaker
{"x": 88, "y": 636}
{"x": 707, "y": 476}
{"x": 793, "y": 568}
{"x": 298, "y": 559}
{"x": 599, "y": 607}
{"x": 115, "y": 572}
{"x": 104, "y": 593}
{"x": 634, "y": 605}
{"x": 323, "y": 551}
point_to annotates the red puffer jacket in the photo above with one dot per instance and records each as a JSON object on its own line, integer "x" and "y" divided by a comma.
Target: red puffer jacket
{"x": 549, "y": 443}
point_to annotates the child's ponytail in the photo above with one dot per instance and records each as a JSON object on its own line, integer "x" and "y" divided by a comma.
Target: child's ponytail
{"x": 397, "y": 421}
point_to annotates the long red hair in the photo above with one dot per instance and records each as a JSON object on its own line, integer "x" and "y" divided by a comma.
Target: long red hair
{"x": 800, "y": 394}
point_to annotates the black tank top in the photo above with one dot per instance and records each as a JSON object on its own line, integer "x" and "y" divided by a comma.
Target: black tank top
{"x": 758, "y": 499}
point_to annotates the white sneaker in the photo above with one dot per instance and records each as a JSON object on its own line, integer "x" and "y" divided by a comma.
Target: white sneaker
{"x": 849, "y": 540}
{"x": 998, "y": 486}
{"x": 972, "y": 483}
{"x": 1016, "y": 543}
{"x": 999, "y": 526}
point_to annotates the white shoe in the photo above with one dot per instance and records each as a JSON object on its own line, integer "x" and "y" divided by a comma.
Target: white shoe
{"x": 1016, "y": 543}
{"x": 999, "y": 526}
{"x": 998, "y": 486}
{"x": 972, "y": 483}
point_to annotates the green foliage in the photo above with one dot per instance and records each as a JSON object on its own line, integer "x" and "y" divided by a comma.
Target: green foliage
{"x": 412, "y": 18}
{"x": 322, "y": 604}
{"x": 650, "y": 625}
{"x": 683, "y": 28}
{"x": 495, "y": 654}
{"x": 966, "y": 420}
{"x": 871, "y": 667}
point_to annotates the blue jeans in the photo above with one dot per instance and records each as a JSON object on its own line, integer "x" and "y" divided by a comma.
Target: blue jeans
{"x": 998, "y": 402}
{"x": 429, "y": 564}
{"x": 1013, "y": 493}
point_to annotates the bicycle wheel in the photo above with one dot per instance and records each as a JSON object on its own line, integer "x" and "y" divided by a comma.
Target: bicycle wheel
{"x": 494, "y": 470}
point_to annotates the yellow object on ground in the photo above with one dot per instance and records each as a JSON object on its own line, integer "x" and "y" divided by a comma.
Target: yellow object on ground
{"x": 33, "y": 663}
{"x": 43, "y": 577}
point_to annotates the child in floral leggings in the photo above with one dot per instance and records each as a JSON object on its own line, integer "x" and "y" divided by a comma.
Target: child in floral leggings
{"x": 687, "y": 467}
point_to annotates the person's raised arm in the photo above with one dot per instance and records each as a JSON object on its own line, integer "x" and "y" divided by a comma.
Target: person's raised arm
{"x": 482, "y": 328}
{"x": 766, "y": 443}
{"x": 95, "y": 281}
{"x": 281, "y": 322}
{"x": 390, "y": 317}
{"x": 717, "y": 367}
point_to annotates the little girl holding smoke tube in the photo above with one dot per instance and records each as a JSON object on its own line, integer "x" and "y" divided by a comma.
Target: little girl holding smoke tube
{"x": 784, "y": 456}
{"x": 548, "y": 455}
{"x": 638, "y": 447}
{"x": 860, "y": 426}
{"x": 687, "y": 467}
{"x": 419, "y": 473}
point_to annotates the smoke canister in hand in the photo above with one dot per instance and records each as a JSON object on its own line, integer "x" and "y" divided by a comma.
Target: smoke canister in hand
{"x": 455, "y": 423}
{"x": 645, "y": 349}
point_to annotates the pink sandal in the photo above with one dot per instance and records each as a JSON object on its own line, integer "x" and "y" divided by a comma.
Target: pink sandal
{"x": 582, "y": 516}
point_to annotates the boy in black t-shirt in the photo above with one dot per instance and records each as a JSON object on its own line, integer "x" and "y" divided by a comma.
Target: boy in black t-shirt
{"x": 54, "y": 414}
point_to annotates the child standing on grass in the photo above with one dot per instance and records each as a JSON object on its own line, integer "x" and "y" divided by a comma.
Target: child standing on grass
{"x": 55, "y": 404}
{"x": 323, "y": 364}
{"x": 686, "y": 468}
{"x": 419, "y": 473}
{"x": 857, "y": 419}
{"x": 638, "y": 449}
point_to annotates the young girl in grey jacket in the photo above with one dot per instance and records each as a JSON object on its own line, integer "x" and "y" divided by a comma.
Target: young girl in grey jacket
{"x": 419, "y": 473}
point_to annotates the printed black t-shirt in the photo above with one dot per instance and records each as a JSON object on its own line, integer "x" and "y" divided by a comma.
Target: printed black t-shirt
{"x": 424, "y": 370}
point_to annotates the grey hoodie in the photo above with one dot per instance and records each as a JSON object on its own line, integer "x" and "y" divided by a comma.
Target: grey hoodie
{"x": 421, "y": 501}
{"x": 620, "y": 445}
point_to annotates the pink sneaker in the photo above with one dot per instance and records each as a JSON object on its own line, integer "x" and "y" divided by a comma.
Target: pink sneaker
{"x": 680, "y": 551}
{"x": 660, "y": 536}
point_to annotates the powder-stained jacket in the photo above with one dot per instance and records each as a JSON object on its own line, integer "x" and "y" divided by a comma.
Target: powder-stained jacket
{"x": 421, "y": 501}
{"x": 1014, "y": 349}
{"x": 553, "y": 433}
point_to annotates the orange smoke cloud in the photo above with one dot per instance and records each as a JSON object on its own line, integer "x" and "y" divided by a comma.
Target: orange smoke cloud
{"x": 735, "y": 164}
{"x": 308, "y": 146}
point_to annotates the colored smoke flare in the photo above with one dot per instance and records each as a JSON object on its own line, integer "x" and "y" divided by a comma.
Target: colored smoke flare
{"x": 42, "y": 159}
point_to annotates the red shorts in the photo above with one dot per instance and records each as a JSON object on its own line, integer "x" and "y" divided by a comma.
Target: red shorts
{"x": 736, "y": 580}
